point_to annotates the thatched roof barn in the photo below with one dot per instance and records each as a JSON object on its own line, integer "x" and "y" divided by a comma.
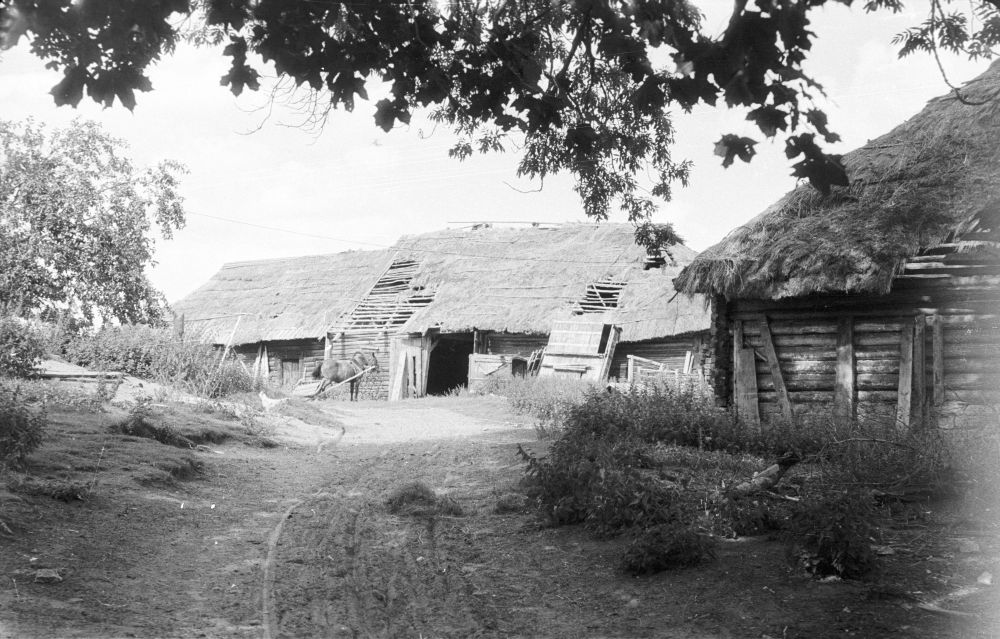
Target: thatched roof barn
{"x": 834, "y": 296}
{"x": 493, "y": 294}
{"x": 279, "y": 299}
{"x": 275, "y": 313}
{"x": 423, "y": 307}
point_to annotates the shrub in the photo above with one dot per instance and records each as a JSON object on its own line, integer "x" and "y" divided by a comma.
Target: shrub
{"x": 21, "y": 347}
{"x": 155, "y": 353}
{"x": 547, "y": 399}
{"x": 667, "y": 546}
{"x": 21, "y": 429}
{"x": 832, "y": 535}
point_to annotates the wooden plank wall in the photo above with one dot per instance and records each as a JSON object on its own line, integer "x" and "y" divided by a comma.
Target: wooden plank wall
{"x": 937, "y": 365}
{"x": 671, "y": 351}
{"x": 514, "y": 343}
{"x": 307, "y": 352}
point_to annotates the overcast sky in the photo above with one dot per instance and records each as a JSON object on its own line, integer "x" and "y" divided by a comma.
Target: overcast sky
{"x": 261, "y": 189}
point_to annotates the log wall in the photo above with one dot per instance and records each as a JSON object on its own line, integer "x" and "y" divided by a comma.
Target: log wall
{"x": 926, "y": 353}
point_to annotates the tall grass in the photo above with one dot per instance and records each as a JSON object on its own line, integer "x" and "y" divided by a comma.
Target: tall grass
{"x": 547, "y": 399}
{"x": 657, "y": 463}
{"x": 21, "y": 427}
{"x": 156, "y": 354}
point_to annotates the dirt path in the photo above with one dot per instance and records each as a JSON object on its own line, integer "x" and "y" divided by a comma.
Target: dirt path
{"x": 291, "y": 542}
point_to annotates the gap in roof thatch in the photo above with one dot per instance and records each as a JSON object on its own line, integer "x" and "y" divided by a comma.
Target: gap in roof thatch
{"x": 600, "y": 296}
{"x": 390, "y": 303}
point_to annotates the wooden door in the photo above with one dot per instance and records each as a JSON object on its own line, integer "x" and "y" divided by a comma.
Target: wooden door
{"x": 291, "y": 372}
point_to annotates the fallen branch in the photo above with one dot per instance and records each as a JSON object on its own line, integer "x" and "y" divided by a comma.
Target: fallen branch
{"x": 767, "y": 478}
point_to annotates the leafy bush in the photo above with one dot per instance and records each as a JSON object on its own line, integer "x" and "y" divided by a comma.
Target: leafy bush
{"x": 21, "y": 429}
{"x": 667, "y": 546}
{"x": 21, "y": 347}
{"x": 547, "y": 399}
{"x": 832, "y": 535}
{"x": 155, "y": 353}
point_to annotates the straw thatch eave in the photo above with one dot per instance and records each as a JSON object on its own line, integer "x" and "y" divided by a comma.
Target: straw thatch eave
{"x": 279, "y": 299}
{"x": 909, "y": 189}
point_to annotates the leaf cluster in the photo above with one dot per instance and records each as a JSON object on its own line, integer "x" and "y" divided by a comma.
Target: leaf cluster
{"x": 21, "y": 428}
{"x": 579, "y": 86}
{"x": 77, "y": 221}
{"x": 21, "y": 347}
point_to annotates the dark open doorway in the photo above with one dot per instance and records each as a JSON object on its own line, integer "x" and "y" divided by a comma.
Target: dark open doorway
{"x": 449, "y": 364}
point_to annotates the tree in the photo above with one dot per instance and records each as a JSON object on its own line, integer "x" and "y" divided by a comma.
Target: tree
{"x": 76, "y": 222}
{"x": 581, "y": 86}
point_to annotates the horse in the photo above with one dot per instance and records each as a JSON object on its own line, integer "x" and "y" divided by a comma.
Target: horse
{"x": 342, "y": 370}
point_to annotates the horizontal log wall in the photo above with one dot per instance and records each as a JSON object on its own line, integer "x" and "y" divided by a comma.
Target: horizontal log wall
{"x": 514, "y": 343}
{"x": 944, "y": 331}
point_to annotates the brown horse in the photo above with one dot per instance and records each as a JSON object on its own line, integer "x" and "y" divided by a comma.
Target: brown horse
{"x": 335, "y": 371}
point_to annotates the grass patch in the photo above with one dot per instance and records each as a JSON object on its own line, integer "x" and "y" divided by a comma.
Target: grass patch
{"x": 66, "y": 490}
{"x": 667, "y": 546}
{"x": 660, "y": 465}
{"x": 418, "y": 499}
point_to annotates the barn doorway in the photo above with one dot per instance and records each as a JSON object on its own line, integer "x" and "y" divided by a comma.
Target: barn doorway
{"x": 449, "y": 364}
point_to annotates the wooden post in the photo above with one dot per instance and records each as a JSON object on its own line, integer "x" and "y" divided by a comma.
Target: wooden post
{"x": 772, "y": 363}
{"x": 937, "y": 350}
{"x": 179, "y": 328}
{"x": 745, "y": 379}
{"x": 904, "y": 396}
{"x": 843, "y": 391}
{"x": 919, "y": 368}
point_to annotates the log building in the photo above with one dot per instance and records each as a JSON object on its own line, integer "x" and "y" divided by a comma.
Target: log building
{"x": 880, "y": 299}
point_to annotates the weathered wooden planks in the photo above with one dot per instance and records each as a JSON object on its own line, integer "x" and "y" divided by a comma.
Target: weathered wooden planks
{"x": 919, "y": 369}
{"x": 937, "y": 356}
{"x": 844, "y": 385}
{"x": 904, "y": 395}
{"x": 775, "y": 370}
{"x": 745, "y": 379}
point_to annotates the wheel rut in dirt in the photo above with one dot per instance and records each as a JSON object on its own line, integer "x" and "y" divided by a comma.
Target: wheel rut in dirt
{"x": 346, "y": 567}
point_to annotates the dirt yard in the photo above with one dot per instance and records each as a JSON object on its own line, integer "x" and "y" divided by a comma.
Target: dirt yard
{"x": 296, "y": 541}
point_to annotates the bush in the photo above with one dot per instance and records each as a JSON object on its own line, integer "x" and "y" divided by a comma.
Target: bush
{"x": 667, "y": 546}
{"x": 155, "y": 354}
{"x": 21, "y": 347}
{"x": 21, "y": 430}
{"x": 832, "y": 535}
{"x": 547, "y": 399}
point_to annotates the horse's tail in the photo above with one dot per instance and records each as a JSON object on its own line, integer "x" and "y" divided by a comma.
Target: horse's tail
{"x": 318, "y": 371}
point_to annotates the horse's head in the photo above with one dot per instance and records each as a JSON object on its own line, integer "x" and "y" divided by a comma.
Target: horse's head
{"x": 374, "y": 362}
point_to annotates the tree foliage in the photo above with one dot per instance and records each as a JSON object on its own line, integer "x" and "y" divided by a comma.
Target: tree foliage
{"x": 76, "y": 223}
{"x": 580, "y": 86}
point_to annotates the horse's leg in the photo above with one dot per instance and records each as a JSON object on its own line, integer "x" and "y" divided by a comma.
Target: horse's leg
{"x": 354, "y": 390}
{"x": 322, "y": 387}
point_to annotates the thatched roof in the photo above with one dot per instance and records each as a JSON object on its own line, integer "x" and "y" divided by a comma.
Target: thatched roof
{"x": 279, "y": 299}
{"x": 909, "y": 190}
{"x": 520, "y": 280}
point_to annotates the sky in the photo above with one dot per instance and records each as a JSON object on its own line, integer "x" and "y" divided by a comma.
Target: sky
{"x": 261, "y": 187}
